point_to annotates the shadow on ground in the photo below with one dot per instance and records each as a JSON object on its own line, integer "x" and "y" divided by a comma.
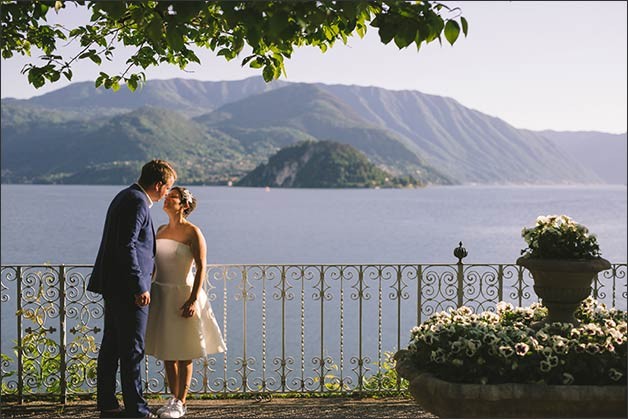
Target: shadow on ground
{"x": 390, "y": 407}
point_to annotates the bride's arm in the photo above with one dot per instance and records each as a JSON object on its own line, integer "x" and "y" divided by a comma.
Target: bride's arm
{"x": 199, "y": 252}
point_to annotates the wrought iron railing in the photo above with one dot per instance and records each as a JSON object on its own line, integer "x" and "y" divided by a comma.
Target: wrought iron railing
{"x": 289, "y": 328}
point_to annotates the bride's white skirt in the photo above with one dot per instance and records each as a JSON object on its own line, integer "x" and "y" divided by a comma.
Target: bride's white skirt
{"x": 169, "y": 336}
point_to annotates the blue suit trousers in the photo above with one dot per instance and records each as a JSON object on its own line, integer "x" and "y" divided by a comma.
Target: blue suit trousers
{"x": 123, "y": 341}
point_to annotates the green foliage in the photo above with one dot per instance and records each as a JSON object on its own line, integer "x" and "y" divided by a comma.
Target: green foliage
{"x": 386, "y": 378}
{"x": 47, "y": 147}
{"x": 41, "y": 355}
{"x": 6, "y": 361}
{"x": 332, "y": 382}
{"x": 41, "y": 363}
{"x": 384, "y": 381}
{"x": 322, "y": 164}
{"x": 166, "y": 31}
{"x": 559, "y": 237}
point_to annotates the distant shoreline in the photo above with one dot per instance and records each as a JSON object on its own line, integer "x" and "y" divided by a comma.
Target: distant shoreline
{"x": 466, "y": 185}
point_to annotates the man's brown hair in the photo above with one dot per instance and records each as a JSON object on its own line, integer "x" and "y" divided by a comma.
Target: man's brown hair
{"x": 156, "y": 171}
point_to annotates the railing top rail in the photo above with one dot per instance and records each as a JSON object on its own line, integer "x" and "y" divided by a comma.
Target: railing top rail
{"x": 46, "y": 265}
{"x": 228, "y": 265}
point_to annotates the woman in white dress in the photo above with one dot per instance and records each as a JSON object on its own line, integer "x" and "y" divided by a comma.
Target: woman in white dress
{"x": 181, "y": 324}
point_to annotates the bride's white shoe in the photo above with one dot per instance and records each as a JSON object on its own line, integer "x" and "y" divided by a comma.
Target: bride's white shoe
{"x": 176, "y": 410}
{"x": 166, "y": 406}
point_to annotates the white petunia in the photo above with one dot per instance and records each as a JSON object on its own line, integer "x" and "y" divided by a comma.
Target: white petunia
{"x": 521, "y": 348}
{"x": 506, "y": 351}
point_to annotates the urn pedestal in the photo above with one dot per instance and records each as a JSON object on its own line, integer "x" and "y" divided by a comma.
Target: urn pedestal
{"x": 562, "y": 284}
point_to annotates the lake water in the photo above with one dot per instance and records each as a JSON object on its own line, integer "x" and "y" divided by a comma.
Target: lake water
{"x": 63, "y": 224}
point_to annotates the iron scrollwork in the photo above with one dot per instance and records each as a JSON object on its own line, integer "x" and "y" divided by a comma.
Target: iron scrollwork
{"x": 289, "y": 328}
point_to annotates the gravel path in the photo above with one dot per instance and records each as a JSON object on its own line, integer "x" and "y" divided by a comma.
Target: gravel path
{"x": 338, "y": 407}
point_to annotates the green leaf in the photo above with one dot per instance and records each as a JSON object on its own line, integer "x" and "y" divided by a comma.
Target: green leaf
{"x": 100, "y": 79}
{"x": 115, "y": 9}
{"x": 193, "y": 57}
{"x": 174, "y": 38}
{"x": 452, "y": 30}
{"x": 53, "y": 76}
{"x": 224, "y": 51}
{"x": 465, "y": 25}
{"x": 95, "y": 58}
{"x": 154, "y": 29}
{"x": 361, "y": 30}
{"x": 386, "y": 33}
{"x": 131, "y": 84}
{"x": 268, "y": 73}
{"x": 245, "y": 60}
{"x": 35, "y": 77}
{"x": 406, "y": 35}
{"x": 257, "y": 63}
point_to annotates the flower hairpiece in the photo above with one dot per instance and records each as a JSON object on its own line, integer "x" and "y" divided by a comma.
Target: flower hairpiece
{"x": 186, "y": 196}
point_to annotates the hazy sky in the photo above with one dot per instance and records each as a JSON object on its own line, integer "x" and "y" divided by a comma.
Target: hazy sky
{"x": 536, "y": 65}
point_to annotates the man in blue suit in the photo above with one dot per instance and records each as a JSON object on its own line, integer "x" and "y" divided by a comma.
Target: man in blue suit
{"x": 122, "y": 274}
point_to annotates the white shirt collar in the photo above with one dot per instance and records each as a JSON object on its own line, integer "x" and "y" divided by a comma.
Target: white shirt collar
{"x": 150, "y": 201}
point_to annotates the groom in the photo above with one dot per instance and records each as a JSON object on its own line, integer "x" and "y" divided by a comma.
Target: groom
{"x": 122, "y": 274}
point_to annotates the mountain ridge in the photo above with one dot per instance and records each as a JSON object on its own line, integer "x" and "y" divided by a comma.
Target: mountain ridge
{"x": 428, "y": 132}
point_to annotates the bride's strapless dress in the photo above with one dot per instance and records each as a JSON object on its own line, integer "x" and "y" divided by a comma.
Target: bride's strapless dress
{"x": 169, "y": 336}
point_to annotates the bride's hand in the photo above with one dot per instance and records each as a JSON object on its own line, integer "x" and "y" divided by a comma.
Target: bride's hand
{"x": 188, "y": 308}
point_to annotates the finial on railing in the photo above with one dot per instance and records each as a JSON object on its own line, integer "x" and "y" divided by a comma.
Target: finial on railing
{"x": 460, "y": 252}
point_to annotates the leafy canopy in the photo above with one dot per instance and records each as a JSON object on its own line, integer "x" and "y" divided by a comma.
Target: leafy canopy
{"x": 166, "y": 31}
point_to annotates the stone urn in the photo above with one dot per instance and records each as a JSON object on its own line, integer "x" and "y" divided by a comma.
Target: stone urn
{"x": 562, "y": 284}
{"x": 509, "y": 400}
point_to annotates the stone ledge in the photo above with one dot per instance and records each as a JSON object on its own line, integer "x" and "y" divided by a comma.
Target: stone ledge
{"x": 511, "y": 400}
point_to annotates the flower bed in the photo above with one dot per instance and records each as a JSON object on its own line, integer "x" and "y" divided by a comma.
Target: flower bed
{"x": 500, "y": 347}
{"x": 493, "y": 364}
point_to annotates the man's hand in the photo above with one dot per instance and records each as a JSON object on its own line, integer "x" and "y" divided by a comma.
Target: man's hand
{"x": 142, "y": 300}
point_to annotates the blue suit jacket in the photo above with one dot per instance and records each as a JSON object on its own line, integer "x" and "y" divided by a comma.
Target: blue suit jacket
{"x": 126, "y": 257}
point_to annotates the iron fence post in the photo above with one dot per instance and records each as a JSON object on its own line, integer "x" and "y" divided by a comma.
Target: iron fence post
{"x": 500, "y": 283}
{"x": 62, "y": 337}
{"x": 460, "y": 252}
{"x": 520, "y": 285}
{"x": 360, "y": 308}
{"x": 20, "y": 349}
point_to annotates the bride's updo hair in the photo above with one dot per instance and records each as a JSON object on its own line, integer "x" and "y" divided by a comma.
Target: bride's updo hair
{"x": 186, "y": 198}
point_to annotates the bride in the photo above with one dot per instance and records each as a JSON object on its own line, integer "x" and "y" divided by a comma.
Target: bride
{"x": 181, "y": 323}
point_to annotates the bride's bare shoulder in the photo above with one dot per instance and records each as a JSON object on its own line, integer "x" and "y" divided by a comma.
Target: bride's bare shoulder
{"x": 194, "y": 231}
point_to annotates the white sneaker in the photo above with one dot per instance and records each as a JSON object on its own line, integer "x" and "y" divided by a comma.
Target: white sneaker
{"x": 166, "y": 406}
{"x": 176, "y": 410}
